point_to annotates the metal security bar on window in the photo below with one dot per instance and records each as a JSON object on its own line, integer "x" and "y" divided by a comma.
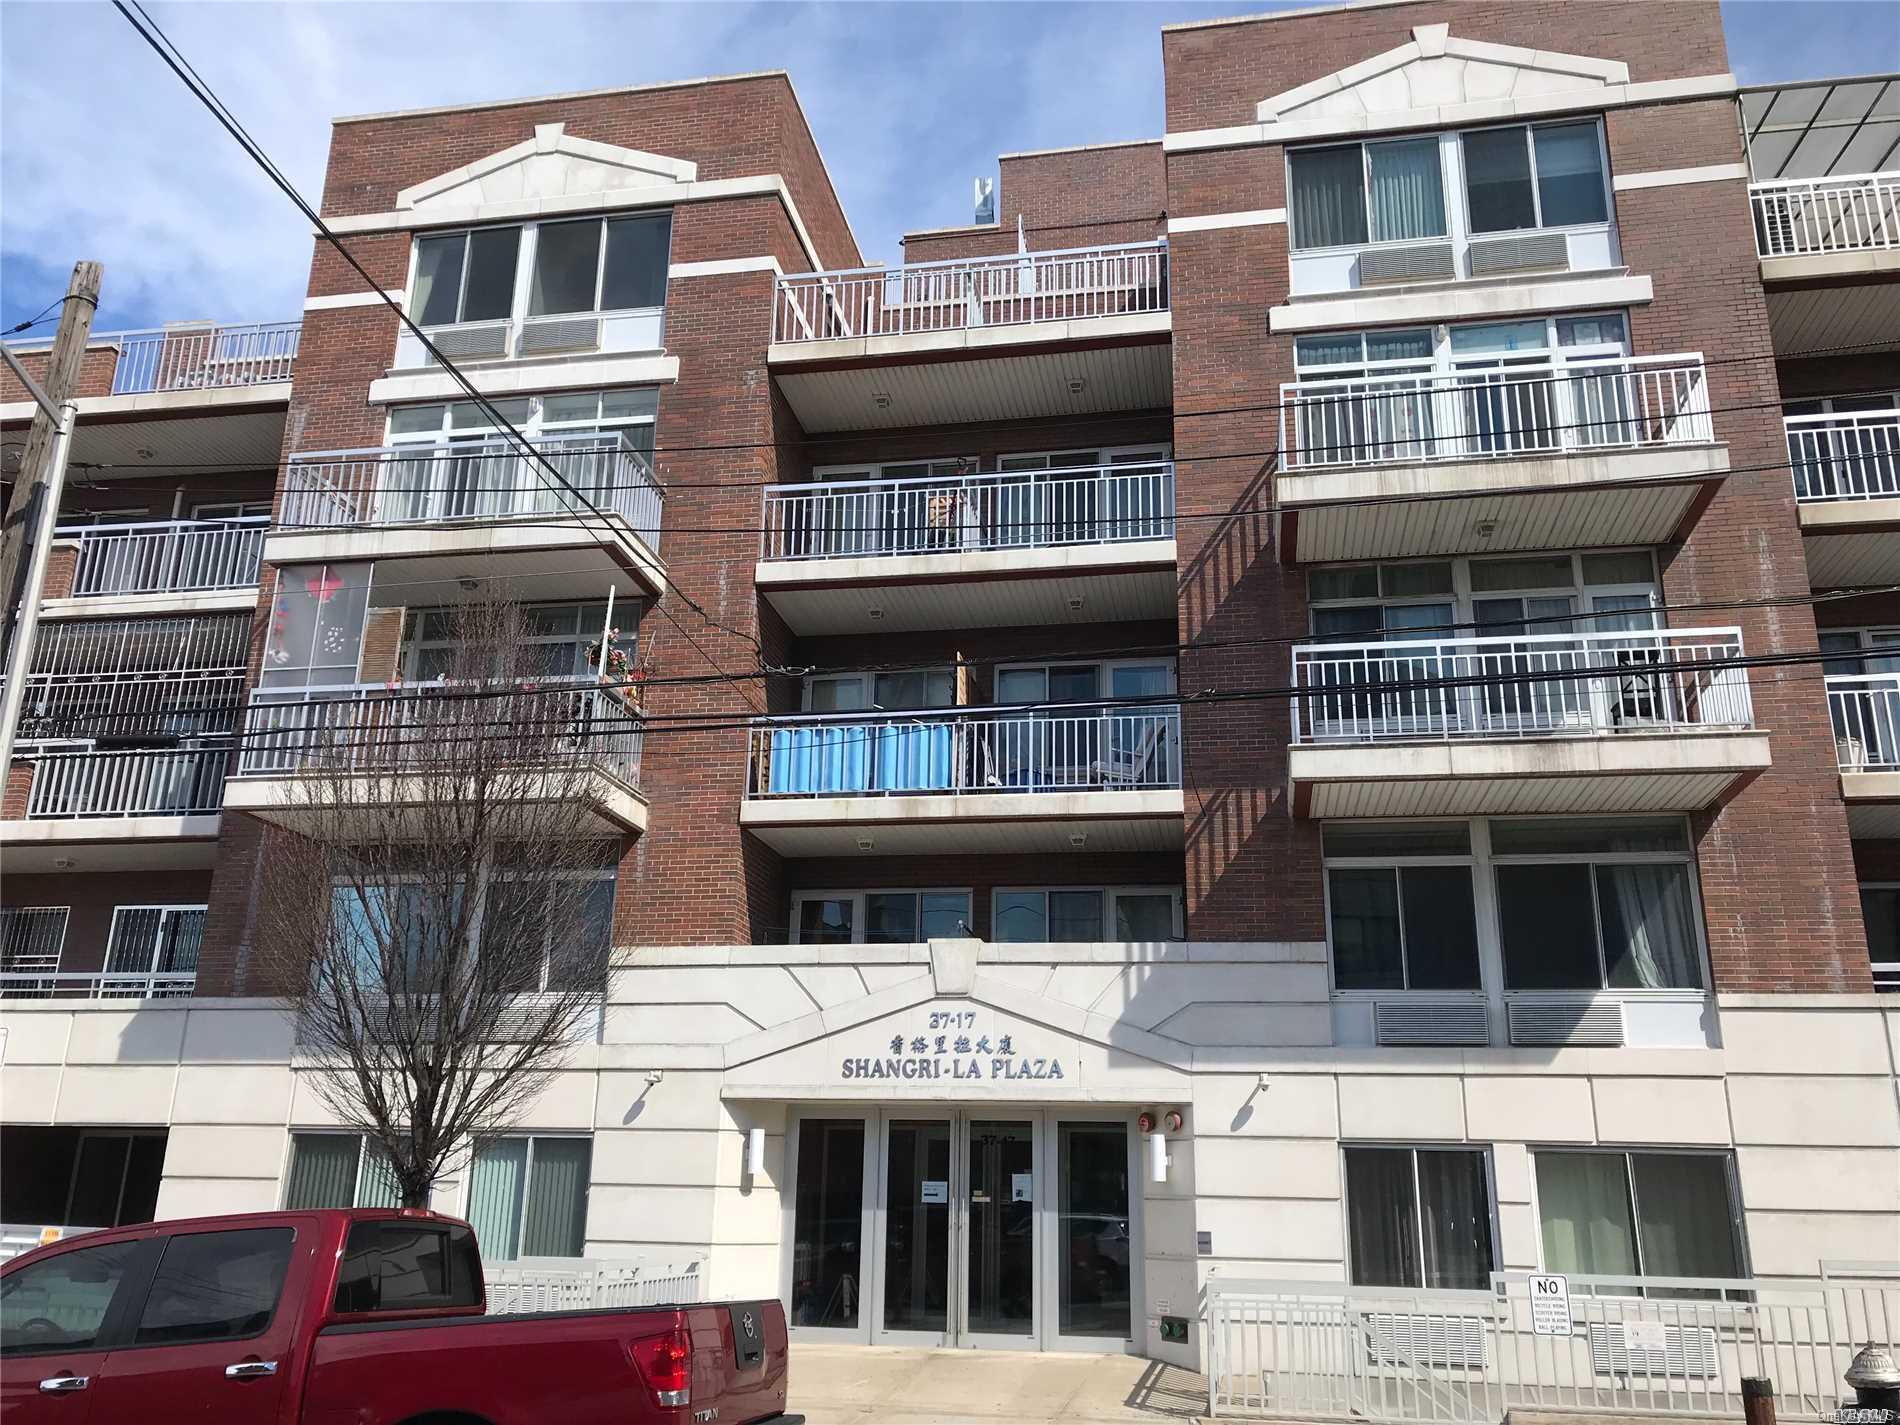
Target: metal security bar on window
{"x": 373, "y": 727}
{"x": 31, "y": 940}
{"x": 1845, "y": 456}
{"x": 153, "y": 950}
{"x": 1800, "y": 217}
{"x": 1536, "y": 685}
{"x": 1079, "y": 748}
{"x": 972, "y": 292}
{"x": 487, "y": 479}
{"x": 845, "y": 519}
{"x": 1393, "y": 416}
{"x": 168, "y": 782}
{"x": 197, "y": 358}
{"x": 1865, "y": 709}
{"x": 139, "y": 677}
{"x": 168, "y": 556}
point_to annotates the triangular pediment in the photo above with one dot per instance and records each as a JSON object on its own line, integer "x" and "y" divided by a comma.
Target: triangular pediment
{"x": 552, "y": 164}
{"x": 1428, "y": 78}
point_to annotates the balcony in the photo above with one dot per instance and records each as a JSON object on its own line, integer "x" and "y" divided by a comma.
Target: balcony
{"x": 310, "y": 752}
{"x": 1865, "y": 711}
{"x": 1830, "y": 258}
{"x": 1846, "y": 470}
{"x": 1002, "y": 549}
{"x": 1579, "y": 723}
{"x": 440, "y": 506}
{"x": 989, "y": 338}
{"x": 150, "y": 808}
{"x": 1099, "y": 777}
{"x": 152, "y": 953}
{"x": 1588, "y": 452}
{"x": 169, "y": 564}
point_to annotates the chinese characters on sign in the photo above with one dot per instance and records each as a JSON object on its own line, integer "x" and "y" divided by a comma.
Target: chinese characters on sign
{"x": 956, "y": 1047}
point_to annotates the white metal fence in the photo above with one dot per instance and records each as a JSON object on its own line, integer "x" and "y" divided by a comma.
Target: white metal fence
{"x": 972, "y": 292}
{"x": 488, "y": 479}
{"x": 842, "y": 519}
{"x": 1664, "y": 1346}
{"x": 1853, "y": 212}
{"x": 1845, "y": 456}
{"x": 1865, "y": 709}
{"x": 168, "y": 556}
{"x": 1074, "y": 749}
{"x": 1534, "y": 685}
{"x": 1391, "y": 415}
{"x": 374, "y": 727}
{"x": 196, "y": 356}
{"x": 99, "y": 984}
{"x": 161, "y": 782}
{"x": 588, "y": 1283}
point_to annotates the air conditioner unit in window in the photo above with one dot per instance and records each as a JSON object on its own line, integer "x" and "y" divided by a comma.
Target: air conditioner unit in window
{"x": 1584, "y": 1023}
{"x": 548, "y": 336}
{"x": 1415, "y": 262}
{"x": 482, "y": 341}
{"x": 1687, "y": 1351}
{"x": 1526, "y": 252}
{"x": 1429, "y": 1023}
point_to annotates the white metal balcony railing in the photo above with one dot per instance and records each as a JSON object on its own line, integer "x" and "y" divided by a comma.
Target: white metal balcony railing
{"x": 101, "y": 984}
{"x": 1081, "y": 748}
{"x": 1865, "y": 711}
{"x": 160, "y": 782}
{"x": 354, "y": 728}
{"x": 192, "y": 702}
{"x": 193, "y": 357}
{"x": 1537, "y": 685}
{"x": 488, "y": 479}
{"x": 1845, "y": 456}
{"x": 843, "y": 519}
{"x": 1396, "y": 416}
{"x": 167, "y": 556}
{"x": 1803, "y": 217}
{"x": 1019, "y": 287}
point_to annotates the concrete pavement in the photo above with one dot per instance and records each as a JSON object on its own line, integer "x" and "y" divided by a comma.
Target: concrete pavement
{"x": 872, "y": 1385}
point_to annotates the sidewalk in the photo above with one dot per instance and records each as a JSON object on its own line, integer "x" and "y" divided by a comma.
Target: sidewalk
{"x": 871, "y": 1385}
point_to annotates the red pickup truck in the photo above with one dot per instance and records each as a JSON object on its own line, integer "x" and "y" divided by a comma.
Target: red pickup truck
{"x": 370, "y": 1317}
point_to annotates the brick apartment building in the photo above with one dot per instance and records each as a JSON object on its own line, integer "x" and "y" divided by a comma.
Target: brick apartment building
{"x": 1332, "y": 633}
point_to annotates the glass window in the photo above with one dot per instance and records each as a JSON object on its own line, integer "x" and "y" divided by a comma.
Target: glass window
{"x": 1075, "y": 917}
{"x": 1880, "y": 908}
{"x": 1569, "y": 174}
{"x": 881, "y": 917}
{"x": 1559, "y": 836}
{"x": 1397, "y": 838}
{"x": 466, "y": 277}
{"x": 1419, "y": 1217}
{"x": 439, "y": 279}
{"x": 1408, "y": 192}
{"x": 316, "y": 635}
{"x": 527, "y": 1197}
{"x": 1409, "y": 927}
{"x": 890, "y": 918}
{"x": 1547, "y": 918}
{"x": 1328, "y": 197}
{"x": 1143, "y": 916}
{"x": 635, "y": 271}
{"x": 945, "y": 915}
{"x": 59, "y": 1304}
{"x": 1539, "y": 572}
{"x": 215, "y": 1286}
{"x": 1637, "y": 1214}
{"x": 825, "y": 921}
{"x": 827, "y": 1223}
{"x": 1498, "y": 180}
{"x": 338, "y": 1170}
{"x": 1021, "y": 916}
{"x": 566, "y": 268}
{"x": 392, "y": 1266}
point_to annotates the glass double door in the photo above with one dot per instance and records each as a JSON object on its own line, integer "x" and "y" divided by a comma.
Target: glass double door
{"x": 984, "y": 1229}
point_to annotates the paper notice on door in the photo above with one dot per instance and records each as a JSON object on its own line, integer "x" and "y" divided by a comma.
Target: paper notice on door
{"x": 935, "y": 1190}
{"x": 1019, "y": 1187}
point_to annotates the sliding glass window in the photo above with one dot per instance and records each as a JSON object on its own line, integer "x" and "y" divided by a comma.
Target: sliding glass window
{"x": 1638, "y": 1214}
{"x": 1419, "y": 1217}
{"x": 1380, "y": 192}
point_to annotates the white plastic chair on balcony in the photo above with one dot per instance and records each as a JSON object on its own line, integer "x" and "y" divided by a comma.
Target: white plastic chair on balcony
{"x": 1128, "y": 766}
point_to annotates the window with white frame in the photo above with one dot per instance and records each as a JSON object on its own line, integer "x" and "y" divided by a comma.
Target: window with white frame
{"x": 1461, "y": 347}
{"x": 554, "y": 643}
{"x": 853, "y": 692}
{"x": 1597, "y": 903}
{"x": 883, "y": 917}
{"x": 527, "y": 1196}
{"x": 1419, "y": 1217}
{"x": 1399, "y": 907}
{"x": 232, "y": 510}
{"x": 338, "y": 1170}
{"x": 155, "y": 939}
{"x": 576, "y": 265}
{"x": 628, "y": 414}
{"x": 1862, "y": 669}
{"x": 1507, "y": 596}
{"x": 1583, "y": 903}
{"x": 1085, "y": 914}
{"x": 1638, "y": 1214}
{"x": 1480, "y": 181}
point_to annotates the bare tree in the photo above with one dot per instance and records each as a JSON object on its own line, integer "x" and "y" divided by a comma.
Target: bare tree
{"x": 433, "y": 899}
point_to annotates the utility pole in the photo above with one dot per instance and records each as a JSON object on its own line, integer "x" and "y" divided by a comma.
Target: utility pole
{"x": 36, "y": 492}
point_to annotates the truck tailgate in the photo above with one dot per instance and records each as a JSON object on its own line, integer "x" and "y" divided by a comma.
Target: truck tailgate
{"x": 740, "y": 1354}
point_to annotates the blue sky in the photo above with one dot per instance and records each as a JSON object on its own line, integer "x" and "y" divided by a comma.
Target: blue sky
{"x": 909, "y": 103}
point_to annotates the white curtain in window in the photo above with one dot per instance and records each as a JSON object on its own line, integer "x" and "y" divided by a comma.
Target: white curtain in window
{"x": 1583, "y": 1201}
{"x": 1408, "y": 196}
{"x": 1649, "y": 939}
{"x": 496, "y": 1180}
{"x": 556, "y": 1218}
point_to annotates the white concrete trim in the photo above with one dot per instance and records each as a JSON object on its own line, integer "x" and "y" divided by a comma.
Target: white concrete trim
{"x": 350, "y": 299}
{"x": 549, "y": 139}
{"x": 1454, "y": 300}
{"x": 964, "y": 564}
{"x": 1673, "y": 177}
{"x": 1868, "y": 262}
{"x": 159, "y": 403}
{"x": 646, "y": 369}
{"x": 64, "y": 830}
{"x": 210, "y": 601}
{"x": 720, "y": 267}
{"x": 283, "y": 800}
{"x": 798, "y": 353}
{"x": 1321, "y": 489}
{"x": 977, "y": 806}
{"x": 1870, "y": 786}
{"x": 1209, "y": 222}
{"x": 1608, "y": 96}
{"x": 1845, "y": 516}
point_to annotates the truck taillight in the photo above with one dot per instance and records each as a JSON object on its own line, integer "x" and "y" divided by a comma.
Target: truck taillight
{"x": 665, "y": 1364}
